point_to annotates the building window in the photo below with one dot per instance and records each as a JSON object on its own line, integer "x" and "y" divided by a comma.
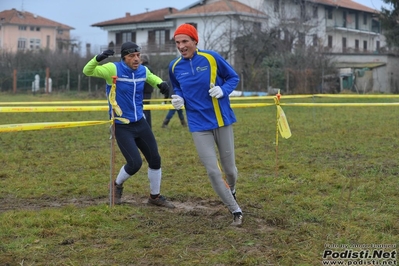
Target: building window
{"x": 276, "y": 6}
{"x": 60, "y": 32}
{"x": 364, "y": 45}
{"x": 301, "y": 39}
{"x": 315, "y": 12}
{"x": 314, "y": 39}
{"x": 330, "y": 41}
{"x": 21, "y": 43}
{"x": 344, "y": 44}
{"x": 160, "y": 37}
{"x": 303, "y": 12}
{"x": 48, "y": 41}
{"x": 377, "y": 45}
{"x": 193, "y": 24}
{"x": 364, "y": 18}
{"x": 34, "y": 44}
{"x": 329, "y": 14}
{"x": 375, "y": 26}
{"x": 20, "y": 27}
{"x": 126, "y": 36}
{"x": 357, "y": 45}
{"x": 257, "y": 26}
{"x": 33, "y": 28}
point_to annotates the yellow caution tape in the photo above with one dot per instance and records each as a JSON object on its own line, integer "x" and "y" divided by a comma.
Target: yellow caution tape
{"x": 30, "y": 109}
{"x": 55, "y": 102}
{"x": 340, "y": 104}
{"x": 48, "y": 125}
{"x": 356, "y": 96}
{"x": 52, "y": 109}
{"x": 238, "y": 98}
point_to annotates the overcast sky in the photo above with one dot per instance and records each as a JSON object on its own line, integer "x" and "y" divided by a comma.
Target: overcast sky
{"x": 80, "y": 14}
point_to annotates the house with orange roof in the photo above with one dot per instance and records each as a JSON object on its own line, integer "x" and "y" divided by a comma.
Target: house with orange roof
{"x": 151, "y": 30}
{"x": 22, "y": 31}
{"x": 345, "y": 29}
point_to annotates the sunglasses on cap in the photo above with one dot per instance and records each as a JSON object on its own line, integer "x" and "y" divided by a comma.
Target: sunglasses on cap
{"x": 131, "y": 50}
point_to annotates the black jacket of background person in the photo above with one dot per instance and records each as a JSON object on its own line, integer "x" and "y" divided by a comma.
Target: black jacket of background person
{"x": 148, "y": 89}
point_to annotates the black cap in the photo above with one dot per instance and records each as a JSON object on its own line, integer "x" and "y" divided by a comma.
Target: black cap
{"x": 128, "y": 48}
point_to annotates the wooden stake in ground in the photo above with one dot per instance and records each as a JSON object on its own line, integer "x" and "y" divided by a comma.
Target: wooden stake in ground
{"x": 112, "y": 100}
{"x": 281, "y": 125}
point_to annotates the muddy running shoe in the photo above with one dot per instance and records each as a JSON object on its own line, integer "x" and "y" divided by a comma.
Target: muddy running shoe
{"x": 117, "y": 193}
{"x": 237, "y": 219}
{"x": 161, "y": 201}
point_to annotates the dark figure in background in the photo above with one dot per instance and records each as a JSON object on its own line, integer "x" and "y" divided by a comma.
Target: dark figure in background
{"x": 148, "y": 89}
{"x": 172, "y": 112}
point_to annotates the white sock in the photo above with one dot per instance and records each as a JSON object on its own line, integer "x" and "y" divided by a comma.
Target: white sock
{"x": 122, "y": 176}
{"x": 155, "y": 180}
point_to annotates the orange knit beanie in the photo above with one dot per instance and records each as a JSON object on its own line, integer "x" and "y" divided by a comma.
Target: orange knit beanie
{"x": 187, "y": 29}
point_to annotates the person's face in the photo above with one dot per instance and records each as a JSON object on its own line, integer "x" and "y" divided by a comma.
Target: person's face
{"x": 133, "y": 60}
{"x": 185, "y": 45}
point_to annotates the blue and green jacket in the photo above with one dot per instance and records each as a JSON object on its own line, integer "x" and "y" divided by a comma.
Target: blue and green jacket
{"x": 129, "y": 85}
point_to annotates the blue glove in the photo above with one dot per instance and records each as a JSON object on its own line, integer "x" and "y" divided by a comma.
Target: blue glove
{"x": 104, "y": 55}
{"x": 164, "y": 88}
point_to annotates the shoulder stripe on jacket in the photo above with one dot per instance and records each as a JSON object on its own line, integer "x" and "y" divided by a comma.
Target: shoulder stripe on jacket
{"x": 215, "y": 102}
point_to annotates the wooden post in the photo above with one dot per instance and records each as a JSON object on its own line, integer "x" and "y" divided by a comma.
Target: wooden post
{"x": 14, "y": 81}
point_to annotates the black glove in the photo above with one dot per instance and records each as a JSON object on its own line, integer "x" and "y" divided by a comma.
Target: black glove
{"x": 164, "y": 88}
{"x": 104, "y": 55}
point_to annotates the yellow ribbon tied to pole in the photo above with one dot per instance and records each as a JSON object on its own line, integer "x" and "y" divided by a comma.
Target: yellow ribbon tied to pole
{"x": 112, "y": 98}
{"x": 282, "y": 124}
{"x": 115, "y": 107}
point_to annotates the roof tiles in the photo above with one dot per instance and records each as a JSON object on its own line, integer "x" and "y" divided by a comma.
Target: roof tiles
{"x": 14, "y": 16}
{"x": 151, "y": 16}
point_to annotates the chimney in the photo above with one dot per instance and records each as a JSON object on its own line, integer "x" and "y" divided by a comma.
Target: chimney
{"x": 127, "y": 14}
{"x": 88, "y": 49}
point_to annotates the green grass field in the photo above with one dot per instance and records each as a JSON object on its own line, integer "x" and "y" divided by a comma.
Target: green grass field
{"x": 334, "y": 182}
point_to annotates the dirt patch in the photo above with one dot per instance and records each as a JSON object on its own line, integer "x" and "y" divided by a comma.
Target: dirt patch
{"x": 9, "y": 203}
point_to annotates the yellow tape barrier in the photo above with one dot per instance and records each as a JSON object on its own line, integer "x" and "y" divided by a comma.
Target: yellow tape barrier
{"x": 52, "y": 109}
{"x": 48, "y": 125}
{"x": 42, "y": 109}
{"x": 339, "y": 104}
{"x": 51, "y": 125}
{"x": 239, "y": 98}
{"x": 55, "y": 102}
